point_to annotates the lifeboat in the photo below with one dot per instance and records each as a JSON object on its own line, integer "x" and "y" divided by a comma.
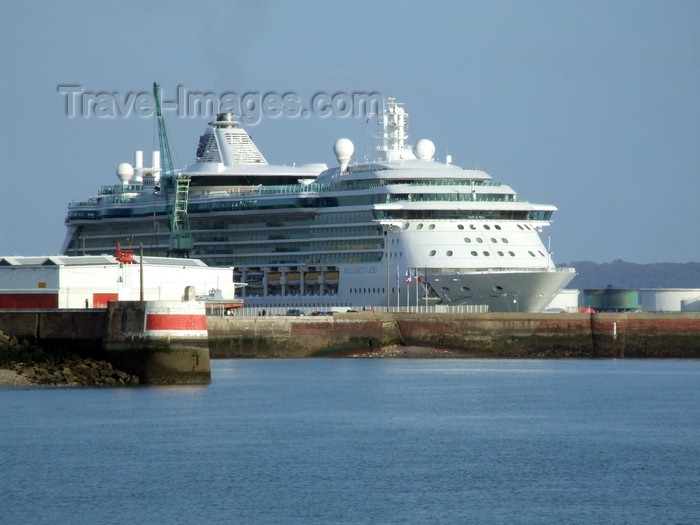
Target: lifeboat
{"x": 274, "y": 278}
{"x": 331, "y": 278}
{"x": 293, "y": 278}
{"x": 124, "y": 256}
{"x": 311, "y": 278}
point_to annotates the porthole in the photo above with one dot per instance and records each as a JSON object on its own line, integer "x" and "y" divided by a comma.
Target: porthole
{"x": 542, "y": 254}
{"x": 419, "y": 227}
{"x": 479, "y": 240}
{"x": 511, "y": 254}
{"x": 405, "y": 225}
{"x": 460, "y": 226}
{"x": 431, "y": 227}
{"x": 445, "y": 289}
{"x": 472, "y": 227}
{"x": 498, "y": 288}
{"x": 467, "y": 240}
{"x": 466, "y": 289}
{"x": 449, "y": 253}
{"x": 487, "y": 227}
{"x": 504, "y": 240}
{"x": 520, "y": 227}
{"x": 531, "y": 254}
{"x": 500, "y": 254}
{"x": 493, "y": 240}
{"x": 497, "y": 227}
{"x": 432, "y": 253}
{"x": 526, "y": 226}
{"x": 474, "y": 253}
{"x": 486, "y": 254}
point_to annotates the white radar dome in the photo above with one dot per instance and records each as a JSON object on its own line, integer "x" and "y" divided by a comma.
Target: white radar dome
{"x": 425, "y": 149}
{"x": 343, "y": 149}
{"x": 124, "y": 172}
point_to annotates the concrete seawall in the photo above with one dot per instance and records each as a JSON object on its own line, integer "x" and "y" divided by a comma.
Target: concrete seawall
{"x": 121, "y": 335}
{"x": 118, "y": 335}
{"x": 477, "y": 335}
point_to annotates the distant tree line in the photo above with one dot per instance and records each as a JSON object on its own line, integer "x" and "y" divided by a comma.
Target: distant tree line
{"x": 621, "y": 274}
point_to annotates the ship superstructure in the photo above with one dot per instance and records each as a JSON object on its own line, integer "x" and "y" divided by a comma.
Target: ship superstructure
{"x": 400, "y": 230}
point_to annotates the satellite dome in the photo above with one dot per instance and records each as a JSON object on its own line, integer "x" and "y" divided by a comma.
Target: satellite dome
{"x": 343, "y": 149}
{"x": 124, "y": 172}
{"x": 425, "y": 149}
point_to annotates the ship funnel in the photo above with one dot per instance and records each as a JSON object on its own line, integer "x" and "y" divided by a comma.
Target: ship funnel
{"x": 138, "y": 166}
{"x": 343, "y": 149}
{"x": 155, "y": 160}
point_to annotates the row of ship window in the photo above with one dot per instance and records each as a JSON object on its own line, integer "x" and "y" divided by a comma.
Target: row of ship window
{"x": 480, "y": 240}
{"x": 450, "y": 253}
{"x": 420, "y": 226}
{"x": 369, "y": 290}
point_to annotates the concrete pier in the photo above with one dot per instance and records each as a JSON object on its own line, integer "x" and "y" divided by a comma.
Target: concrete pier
{"x": 174, "y": 346}
{"x": 161, "y": 342}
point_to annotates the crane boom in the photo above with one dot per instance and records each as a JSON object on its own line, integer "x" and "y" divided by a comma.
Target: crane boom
{"x": 176, "y": 187}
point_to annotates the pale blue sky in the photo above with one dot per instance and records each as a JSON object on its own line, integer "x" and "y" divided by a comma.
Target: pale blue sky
{"x": 592, "y": 106}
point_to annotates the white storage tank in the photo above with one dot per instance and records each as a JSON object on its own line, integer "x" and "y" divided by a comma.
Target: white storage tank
{"x": 670, "y": 299}
{"x": 564, "y": 301}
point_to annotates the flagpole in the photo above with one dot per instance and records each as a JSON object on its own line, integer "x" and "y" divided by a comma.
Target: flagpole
{"x": 388, "y": 267}
{"x": 426, "y": 288}
{"x": 398, "y": 289}
{"x": 417, "y": 283}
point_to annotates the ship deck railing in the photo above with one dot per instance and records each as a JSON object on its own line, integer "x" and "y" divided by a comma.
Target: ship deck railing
{"x": 320, "y": 188}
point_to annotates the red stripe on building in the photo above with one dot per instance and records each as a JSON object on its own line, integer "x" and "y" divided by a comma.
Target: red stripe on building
{"x": 28, "y": 300}
{"x": 176, "y": 322}
{"x": 100, "y": 300}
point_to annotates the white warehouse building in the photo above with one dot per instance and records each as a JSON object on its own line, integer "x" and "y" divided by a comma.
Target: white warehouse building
{"x": 62, "y": 281}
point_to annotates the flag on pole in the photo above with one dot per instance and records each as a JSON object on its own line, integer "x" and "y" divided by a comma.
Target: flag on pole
{"x": 408, "y": 276}
{"x": 418, "y": 277}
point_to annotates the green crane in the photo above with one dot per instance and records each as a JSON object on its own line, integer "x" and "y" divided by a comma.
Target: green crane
{"x": 177, "y": 188}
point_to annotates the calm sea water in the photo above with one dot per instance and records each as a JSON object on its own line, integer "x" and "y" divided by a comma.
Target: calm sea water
{"x": 362, "y": 441}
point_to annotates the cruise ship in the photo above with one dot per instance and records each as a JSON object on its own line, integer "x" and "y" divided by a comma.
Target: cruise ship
{"x": 400, "y": 230}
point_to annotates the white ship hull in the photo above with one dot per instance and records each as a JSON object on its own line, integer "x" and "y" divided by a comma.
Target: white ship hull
{"x": 494, "y": 291}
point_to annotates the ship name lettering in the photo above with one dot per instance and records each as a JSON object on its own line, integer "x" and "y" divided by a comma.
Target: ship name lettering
{"x": 357, "y": 270}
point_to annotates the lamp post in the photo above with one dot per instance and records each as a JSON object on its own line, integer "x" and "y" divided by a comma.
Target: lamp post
{"x": 387, "y": 229}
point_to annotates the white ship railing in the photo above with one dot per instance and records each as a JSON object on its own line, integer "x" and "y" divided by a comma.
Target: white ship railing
{"x": 319, "y": 188}
{"x": 276, "y": 311}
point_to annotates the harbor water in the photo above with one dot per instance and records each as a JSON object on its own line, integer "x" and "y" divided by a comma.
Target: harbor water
{"x": 362, "y": 441}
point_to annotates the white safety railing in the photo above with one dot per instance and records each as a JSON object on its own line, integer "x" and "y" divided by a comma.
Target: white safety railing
{"x": 260, "y": 311}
